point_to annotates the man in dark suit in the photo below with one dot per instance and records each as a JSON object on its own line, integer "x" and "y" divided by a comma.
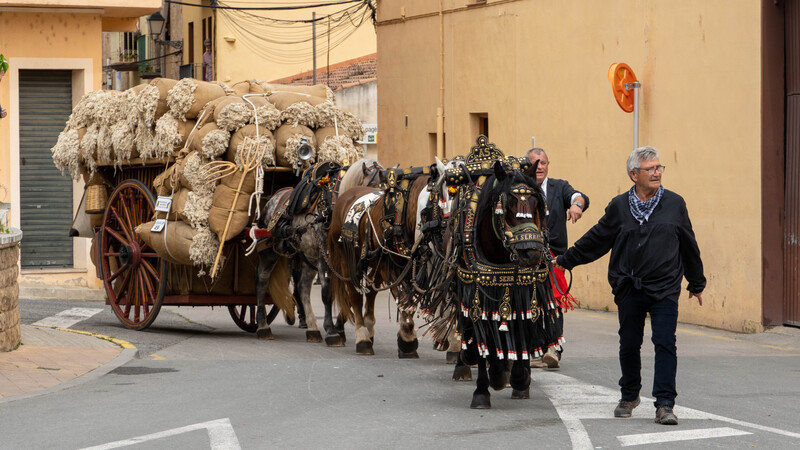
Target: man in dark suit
{"x": 563, "y": 203}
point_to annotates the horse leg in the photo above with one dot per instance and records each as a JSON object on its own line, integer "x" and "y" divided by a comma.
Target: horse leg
{"x": 453, "y": 347}
{"x": 304, "y": 282}
{"x": 462, "y": 371}
{"x": 298, "y": 285}
{"x": 520, "y": 379}
{"x": 407, "y": 341}
{"x": 498, "y": 373}
{"x": 363, "y": 337}
{"x": 266, "y": 262}
{"x": 481, "y": 396}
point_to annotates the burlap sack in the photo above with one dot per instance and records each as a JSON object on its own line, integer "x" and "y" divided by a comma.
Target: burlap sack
{"x": 209, "y": 141}
{"x": 287, "y": 140}
{"x": 172, "y": 243}
{"x": 248, "y": 87}
{"x": 331, "y": 147}
{"x": 267, "y": 115}
{"x": 317, "y": 90}
{"x": 223, "y": 203}
{"x": 177, "y": 209}
{"x": 163, "y": 85}
{"x": 189, "y": 96}
{"x": 232, "y": 113}
{"x": 283, "y": 100}
{"x": 249, "y": 131}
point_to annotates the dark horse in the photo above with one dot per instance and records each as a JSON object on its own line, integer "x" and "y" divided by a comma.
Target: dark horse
{"x": 505, "y": 302}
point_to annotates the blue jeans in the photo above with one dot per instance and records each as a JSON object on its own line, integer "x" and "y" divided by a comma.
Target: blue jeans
{"x": 633, "y": 310}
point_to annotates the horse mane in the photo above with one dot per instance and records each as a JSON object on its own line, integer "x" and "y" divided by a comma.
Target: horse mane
{"x": 354, "y": 175}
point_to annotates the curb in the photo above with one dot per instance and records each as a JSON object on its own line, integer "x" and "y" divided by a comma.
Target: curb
{"x": 128, "y": 353}
{"x": 69, "y": 293}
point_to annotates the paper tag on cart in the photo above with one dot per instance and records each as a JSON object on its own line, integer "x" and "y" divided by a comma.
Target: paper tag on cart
{"x": 163, "y": 204}
{"x": 158, "y": 227}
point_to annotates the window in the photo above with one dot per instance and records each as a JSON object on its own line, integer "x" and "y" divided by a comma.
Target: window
{"x": 479, "y": 124}
{"x": 190, "y": 35}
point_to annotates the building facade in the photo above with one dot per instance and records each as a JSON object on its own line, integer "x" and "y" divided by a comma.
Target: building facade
{"x": 712, "y": 101}
{"x": 54, "y": 50}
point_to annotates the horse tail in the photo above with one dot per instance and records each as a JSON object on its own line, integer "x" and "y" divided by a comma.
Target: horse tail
{"x": 278, "y": 288}
{"x": 338, "y": 264}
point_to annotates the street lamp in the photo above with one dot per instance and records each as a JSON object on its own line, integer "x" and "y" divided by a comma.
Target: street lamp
{"x": 156, "y": 24}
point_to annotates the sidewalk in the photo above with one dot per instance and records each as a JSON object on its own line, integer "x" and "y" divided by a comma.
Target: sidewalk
{"x": 50, "y": 359}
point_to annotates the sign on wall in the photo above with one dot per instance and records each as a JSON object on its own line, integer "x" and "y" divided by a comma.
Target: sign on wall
{"x": 370, "y": 133}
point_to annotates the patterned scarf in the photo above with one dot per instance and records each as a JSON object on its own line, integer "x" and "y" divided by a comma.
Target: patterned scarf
{"x": 641, "y": 210}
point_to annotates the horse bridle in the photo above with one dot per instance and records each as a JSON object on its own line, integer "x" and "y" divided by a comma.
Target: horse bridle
{"x": 522, "y": 236}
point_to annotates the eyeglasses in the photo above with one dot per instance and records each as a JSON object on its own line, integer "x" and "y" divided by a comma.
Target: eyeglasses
{"x": 652, "y": 170}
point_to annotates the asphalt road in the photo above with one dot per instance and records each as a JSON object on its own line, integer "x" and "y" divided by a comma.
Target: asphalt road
{"x": 200, "y": 382}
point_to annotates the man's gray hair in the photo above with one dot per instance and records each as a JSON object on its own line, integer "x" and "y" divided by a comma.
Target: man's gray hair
{"x": 641, "y": 154}
{"x": 538, "y": 151}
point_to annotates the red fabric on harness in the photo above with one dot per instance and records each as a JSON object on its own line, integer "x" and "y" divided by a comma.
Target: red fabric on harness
{"x": 565, "y": 301}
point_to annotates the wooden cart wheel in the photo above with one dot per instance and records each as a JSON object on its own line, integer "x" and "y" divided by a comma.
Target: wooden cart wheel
{"x": 133, "y": 273}
{"x": 244, "y": 316}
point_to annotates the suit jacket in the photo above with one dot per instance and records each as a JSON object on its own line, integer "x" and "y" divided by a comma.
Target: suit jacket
{"x": 559, "y": 199}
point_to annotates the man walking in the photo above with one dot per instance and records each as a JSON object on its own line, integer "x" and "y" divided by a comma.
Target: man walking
{"x": 563, "y": 203}
{"x": 652, "y": 247}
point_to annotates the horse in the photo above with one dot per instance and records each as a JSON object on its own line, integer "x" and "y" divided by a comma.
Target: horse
{"x": 298, "y": 218}
{"x": 381, "y": 239}
{"x": 506, "y": 312}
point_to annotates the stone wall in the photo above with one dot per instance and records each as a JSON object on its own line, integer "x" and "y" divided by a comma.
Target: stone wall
{"x": 9, "y": 291}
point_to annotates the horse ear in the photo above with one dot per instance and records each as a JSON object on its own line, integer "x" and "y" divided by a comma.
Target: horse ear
{"x": 531, "y": 172}
{"x": 364, "y": 168}
{"x": 499, "y": 172}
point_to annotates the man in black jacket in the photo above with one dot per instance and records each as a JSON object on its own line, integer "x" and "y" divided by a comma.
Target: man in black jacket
{"x": 652, "y": 248}
{"x": 563, "y": 203}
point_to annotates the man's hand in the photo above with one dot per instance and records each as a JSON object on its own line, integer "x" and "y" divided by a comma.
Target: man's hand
{"x": 3, "y": 112}
{"x": 699, "y": 296}
{"x": 574, "y": 213}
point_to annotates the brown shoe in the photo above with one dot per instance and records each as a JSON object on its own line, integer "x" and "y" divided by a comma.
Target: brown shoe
{"x": 665, "y": 416}
{"x": 625, "y": 408}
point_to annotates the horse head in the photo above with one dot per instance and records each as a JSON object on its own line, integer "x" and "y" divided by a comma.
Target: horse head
{"x": 513, "y": 206}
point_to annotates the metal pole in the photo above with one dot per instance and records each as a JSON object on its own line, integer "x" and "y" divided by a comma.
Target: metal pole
{"x": 314, "y": 42}
{"x": 635, "y": 86}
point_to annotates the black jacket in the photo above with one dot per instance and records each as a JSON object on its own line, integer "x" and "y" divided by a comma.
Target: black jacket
{"x": 559, "y": 199}
{"x": 652, "y": 257}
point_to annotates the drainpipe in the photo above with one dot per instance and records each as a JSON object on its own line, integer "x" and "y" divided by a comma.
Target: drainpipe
{"x": 440, "y": 109}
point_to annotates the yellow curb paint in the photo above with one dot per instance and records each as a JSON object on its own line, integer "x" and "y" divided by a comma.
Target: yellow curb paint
{"x": 120, "y": 342}
{"x": 156, "y": 357}
{"x": 775, "y": 347}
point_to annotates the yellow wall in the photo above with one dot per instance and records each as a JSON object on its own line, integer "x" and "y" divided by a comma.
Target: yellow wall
{"x": 242, "y": 55}
{"x": 539, "y": 68}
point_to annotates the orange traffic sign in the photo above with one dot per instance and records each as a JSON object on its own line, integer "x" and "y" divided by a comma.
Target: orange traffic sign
{"x": 619, "y": 74}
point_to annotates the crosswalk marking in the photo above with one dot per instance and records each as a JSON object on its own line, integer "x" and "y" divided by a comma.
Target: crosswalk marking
{"x": 220, "y": 434}
{"x": 67, "y": 318}
{"x": 575, "y": 401}
{"x": 681, "y": 435}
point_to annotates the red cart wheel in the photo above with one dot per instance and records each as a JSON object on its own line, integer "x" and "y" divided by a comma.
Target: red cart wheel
{"x": 133, "y": 273}
{"x": 244, "y": 316}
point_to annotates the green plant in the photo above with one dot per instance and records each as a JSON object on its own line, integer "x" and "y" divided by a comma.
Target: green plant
{"x": 3, "y": 63}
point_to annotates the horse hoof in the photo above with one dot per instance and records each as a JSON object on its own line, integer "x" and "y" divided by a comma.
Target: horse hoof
{"x": 407, "y": 355}
{"x": 452, "y": 357}
{"x": 289, "y": 319}
{"x": 480, "y": 401}
{"x": 335, "y": 340}
{"x": 498, "y": 384}
{"x": 462, "y": 373}
{"x": 407, "y": 347}
{"x": 364, "y": 348}
{"x": 523, "y": 394}
{"x": 313, "y": 336}
{"x": 302, "y": 324}
{"x": 265, "y": 333}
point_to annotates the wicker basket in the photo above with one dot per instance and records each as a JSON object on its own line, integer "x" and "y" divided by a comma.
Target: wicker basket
{"x": 96, "y": 199}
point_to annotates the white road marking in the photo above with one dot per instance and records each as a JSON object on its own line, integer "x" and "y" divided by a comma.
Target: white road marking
{"x": 67, "y": 318}
{"x": 682, "y": 435}
{"x": 575, "y": 400}
{"x": 220, "y": 433}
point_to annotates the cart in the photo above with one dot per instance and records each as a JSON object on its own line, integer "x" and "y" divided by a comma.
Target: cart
{"x": 138, "y": 282}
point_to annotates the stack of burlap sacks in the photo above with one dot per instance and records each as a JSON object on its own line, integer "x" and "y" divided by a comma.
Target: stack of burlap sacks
{"x": 195, "y": 123}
